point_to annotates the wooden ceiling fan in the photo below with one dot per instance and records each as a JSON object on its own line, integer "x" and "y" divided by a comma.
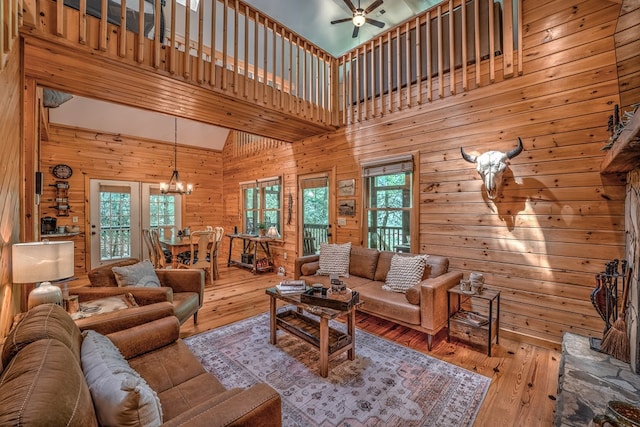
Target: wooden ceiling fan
{"x": 359, "y": 17}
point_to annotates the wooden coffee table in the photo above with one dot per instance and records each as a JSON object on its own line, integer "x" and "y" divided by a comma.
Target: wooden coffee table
{"x": 329, "y": 341}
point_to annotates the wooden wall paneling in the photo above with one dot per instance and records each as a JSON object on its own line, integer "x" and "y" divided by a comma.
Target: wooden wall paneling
{"x": 12, "y": 186}
{"x": 627, "y": 42}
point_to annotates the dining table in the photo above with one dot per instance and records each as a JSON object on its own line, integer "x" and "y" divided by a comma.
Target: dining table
{"x": 176, "y": 244}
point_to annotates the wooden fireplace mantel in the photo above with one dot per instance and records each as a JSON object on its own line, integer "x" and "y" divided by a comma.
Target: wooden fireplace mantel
{"x": 624, "y": 155}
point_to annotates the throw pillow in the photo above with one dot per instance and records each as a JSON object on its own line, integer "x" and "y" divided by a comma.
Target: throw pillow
{"x": 141, "y": 274}
{"x": 405, "y": 272}
{"x": 334, "y": 259}
{"x": 120, "y": 395}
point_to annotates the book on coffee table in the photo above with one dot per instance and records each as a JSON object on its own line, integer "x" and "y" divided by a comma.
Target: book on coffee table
{"x": 291, "y": 286}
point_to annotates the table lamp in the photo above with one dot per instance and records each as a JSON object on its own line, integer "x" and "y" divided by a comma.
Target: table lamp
{"x": 41, "y": 262}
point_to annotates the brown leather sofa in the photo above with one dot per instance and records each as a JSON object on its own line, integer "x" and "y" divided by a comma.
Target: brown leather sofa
{"x": 423, "y": 307}
{"x": 184, "y": 289}
{"x": 42, "y": 381}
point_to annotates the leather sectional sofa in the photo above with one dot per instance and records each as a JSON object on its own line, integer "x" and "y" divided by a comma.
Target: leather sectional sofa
{"x": 423, "y": 307}
{"x": 44, "y": 379}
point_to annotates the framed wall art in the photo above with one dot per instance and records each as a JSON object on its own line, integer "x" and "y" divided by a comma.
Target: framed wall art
{"x": 347, "y": 187}
{"x": 347, "y": 207}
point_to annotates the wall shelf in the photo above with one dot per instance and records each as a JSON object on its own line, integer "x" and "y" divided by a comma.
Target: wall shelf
{"x": 624, "y": 155}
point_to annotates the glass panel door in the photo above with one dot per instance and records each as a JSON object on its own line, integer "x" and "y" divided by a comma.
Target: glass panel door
{"x": 316, "y": 214}
{"x": 115, "y": 221}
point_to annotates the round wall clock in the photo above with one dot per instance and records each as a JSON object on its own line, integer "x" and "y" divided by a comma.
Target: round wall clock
{"x": 62, "y": 171}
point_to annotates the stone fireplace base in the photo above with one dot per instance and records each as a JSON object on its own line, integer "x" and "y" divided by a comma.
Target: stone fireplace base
{"x": 588, "y": 380}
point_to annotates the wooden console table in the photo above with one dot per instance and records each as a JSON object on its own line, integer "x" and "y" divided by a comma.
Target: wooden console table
{"x": 249, "y": 256}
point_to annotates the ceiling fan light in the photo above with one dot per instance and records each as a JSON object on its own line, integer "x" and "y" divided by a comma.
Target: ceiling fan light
{"x": 358, "y": 20}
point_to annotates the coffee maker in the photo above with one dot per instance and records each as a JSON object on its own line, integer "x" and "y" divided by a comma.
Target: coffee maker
{"x": 48, "y": 225}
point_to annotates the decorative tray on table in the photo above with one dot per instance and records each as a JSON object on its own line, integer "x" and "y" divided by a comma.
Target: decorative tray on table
{"x": 341, "y": 301}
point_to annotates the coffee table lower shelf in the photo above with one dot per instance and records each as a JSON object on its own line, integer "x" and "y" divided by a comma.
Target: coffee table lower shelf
{"x": 308, "y": 329}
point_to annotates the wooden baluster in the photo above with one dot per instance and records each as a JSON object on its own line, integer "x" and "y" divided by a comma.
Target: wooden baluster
{"x": 102, "y": 42}
{"x": 214, "y": 17}
{"x": 3, "y": 42}
{"x": 389, "y": 75}
{"x": 358, "y": 83}
{"x": 82, "y": 21}
{"x": 465, "y": 75}
{"x": 235, "y": 46}
{"x": 173, "y": 46}
{"x": 245, "y": 86}
{"x": 476, "y": 30}
{"x": 381, "y": 76}
{"x": 59, "y": 20}
{"x": 265, "y": 54}
{"x": 305, "y": 79}
{"x": 156, "y": 34}
{"x": 200, "y": 47}
{"x": 407, "y": 50}
{"x": 122, "y": 31}
{"x": 364, "y": 83}
{"x": 429, "y": 57}
{"x": 350, "y": 88}
{"x": 519, "y": 37}
{"x": 186, "y": 59}
{"x": 372, "y": 71}
{"x": 507, "y": 38}
{"x": 290, "y": 71}
{"x": 492, "y": 46}
{"x": 440, "y": 55}
{"x": 398, "y": 72}
{"x": 452, "y": 50}
{"x": 274, "y": 60}
{"x": 281, "y": 97}
{"x": 255, "y": 58}
{"x": 418, "y": 61}
{"x": 225, "y": 39}
{"x": 140, "y": 52}
{"x": 345, "y": 104}
{"x": 299, "y": 67}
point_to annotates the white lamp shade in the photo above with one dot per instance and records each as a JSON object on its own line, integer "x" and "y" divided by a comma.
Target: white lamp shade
{"x": 42, "y": 261}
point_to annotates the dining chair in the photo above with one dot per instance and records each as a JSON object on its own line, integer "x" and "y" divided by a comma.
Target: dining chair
{"x": 201, "y": 254}
{"x": 163, "y": 259}
{"x": 151, "y": 251}
{"x": 218, "y": 232}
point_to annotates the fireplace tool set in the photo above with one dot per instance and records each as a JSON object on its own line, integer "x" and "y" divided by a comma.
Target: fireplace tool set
{"x": 605, "y": 295}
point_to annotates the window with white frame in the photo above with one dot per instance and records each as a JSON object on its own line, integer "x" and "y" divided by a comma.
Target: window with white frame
{"x": 388, "y": 186}
{"x": 261, "y": 204}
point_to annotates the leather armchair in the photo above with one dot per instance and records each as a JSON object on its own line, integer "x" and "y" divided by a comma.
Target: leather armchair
{"x": 184, "y": 289}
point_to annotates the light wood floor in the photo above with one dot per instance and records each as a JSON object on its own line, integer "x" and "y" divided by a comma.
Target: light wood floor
{"x": 524, "y": 377}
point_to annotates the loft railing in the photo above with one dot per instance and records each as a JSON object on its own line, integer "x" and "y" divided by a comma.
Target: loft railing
{"x": 412, "y": 63}
{"x": 10, "y": 12}
{"x": 233, "y": 49}
{"x": 229, "y": 47}
{"x": 386, "y": 238}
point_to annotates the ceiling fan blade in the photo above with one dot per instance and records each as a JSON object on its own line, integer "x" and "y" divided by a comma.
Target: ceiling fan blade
{"x": 350, "y": 5}
{"x": 378, "y": 24}
{"x": 338, "y": 21}
{"x": 355, "y": 31}
{"x": 372, "y": 6}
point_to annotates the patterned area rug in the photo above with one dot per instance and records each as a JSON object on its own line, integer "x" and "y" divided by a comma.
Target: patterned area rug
{"x": 386, "y": 385}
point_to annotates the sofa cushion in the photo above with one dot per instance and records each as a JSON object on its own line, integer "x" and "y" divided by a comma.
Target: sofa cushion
{"x": 363, "y": 262}
{"x": 389, "y": 305}
{"x": 334, "y": 259}
{"x": 53, "y": 393}
{"x": 309, "y": 268}
{"x": 120, "y": 395}
{"x": 43, "y": 322}
{"x": 140, "y": 274}
{"x": 384, "y": 263}
{"x": 405, "y": 272}
{"x": 103, "y": 276}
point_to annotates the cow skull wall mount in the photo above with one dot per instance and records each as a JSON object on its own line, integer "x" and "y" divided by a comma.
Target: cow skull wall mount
{"x": 491, "y": 165}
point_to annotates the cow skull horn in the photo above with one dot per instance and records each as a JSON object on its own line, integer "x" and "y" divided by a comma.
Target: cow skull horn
{"x": 490, "y": 165}
{"x": 512, "y": 153}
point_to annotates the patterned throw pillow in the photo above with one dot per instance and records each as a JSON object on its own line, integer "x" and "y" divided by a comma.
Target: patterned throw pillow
{"x": 334, "y": 259}
{"x": 141, "y": 274}
{"x": 405, "y": 272}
